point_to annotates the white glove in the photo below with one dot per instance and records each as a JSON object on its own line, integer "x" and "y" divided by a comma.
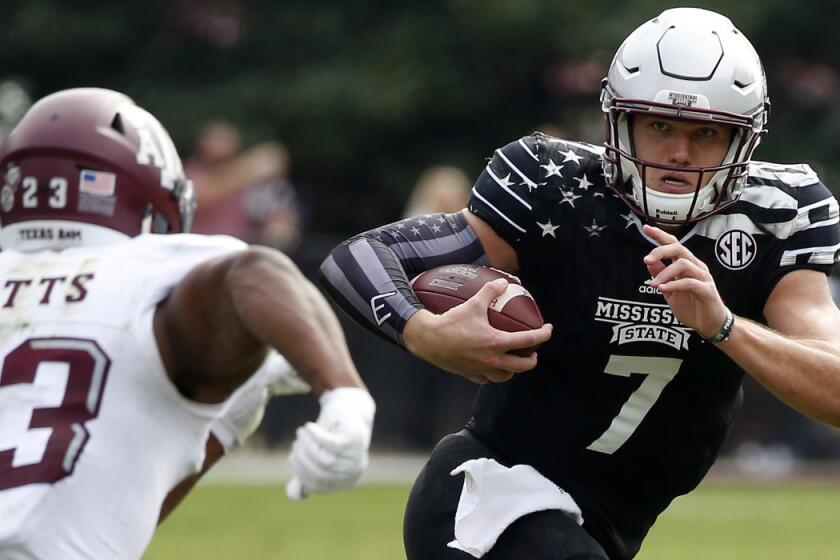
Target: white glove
{"x": 332, "y": 453}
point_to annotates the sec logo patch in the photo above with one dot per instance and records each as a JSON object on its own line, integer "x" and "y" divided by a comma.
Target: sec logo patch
{"x": 735, "y": 249}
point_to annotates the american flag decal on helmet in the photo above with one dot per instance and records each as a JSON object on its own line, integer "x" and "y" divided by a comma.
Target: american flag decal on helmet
{"x": 97, "y": 182}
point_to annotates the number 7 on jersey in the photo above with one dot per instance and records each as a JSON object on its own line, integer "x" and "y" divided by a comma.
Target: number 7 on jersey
{"x": 660, "y": 372}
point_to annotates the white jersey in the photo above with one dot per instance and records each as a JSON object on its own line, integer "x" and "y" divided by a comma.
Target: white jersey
{"x": 93, "y": 435}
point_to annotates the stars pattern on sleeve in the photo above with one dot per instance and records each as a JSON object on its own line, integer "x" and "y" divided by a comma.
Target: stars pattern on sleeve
{"x": 571, "y": 156}
{"x": 548, "y": 229}
{"x": 594, "y": 230}
{"x": 552, "y": 169}
{"x": 584, "y": 188}
{"x": 532, "y": 186}
{"x": 583, "y": 182}
{"x": 570, "y": 197}
{"x": 629, "y": 219}
{"x": 413, "y": 227}
{"x": 505, "y": 181}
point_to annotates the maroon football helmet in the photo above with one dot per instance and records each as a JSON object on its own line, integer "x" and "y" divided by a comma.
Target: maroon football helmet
{"x": 86, "y": 167}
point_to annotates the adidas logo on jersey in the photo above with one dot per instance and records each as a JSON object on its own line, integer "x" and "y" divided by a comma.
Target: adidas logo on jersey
{"x": 646, "y": 288}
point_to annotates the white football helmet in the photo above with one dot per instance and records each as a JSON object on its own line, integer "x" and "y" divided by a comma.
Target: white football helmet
{"x": 690, "y": 64}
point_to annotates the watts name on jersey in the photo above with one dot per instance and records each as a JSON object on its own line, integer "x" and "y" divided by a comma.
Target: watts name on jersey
{"x": 44, "y": 290}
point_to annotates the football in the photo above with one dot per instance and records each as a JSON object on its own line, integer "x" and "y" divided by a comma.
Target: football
{"x": 444, "y": 287}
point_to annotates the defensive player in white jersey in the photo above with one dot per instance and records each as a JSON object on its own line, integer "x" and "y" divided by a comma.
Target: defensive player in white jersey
{"x": 121, "y": 348}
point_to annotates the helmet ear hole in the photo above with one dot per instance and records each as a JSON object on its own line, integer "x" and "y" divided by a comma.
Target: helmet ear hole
{"x": 117, "y": 124}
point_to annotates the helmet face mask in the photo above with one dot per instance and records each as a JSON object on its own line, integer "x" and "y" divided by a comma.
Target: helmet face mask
{"x": 694, "y": 66}
{"x": 87, "y": 167}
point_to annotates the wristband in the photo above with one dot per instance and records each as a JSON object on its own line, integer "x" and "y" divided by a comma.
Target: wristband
{"x": 724, "y": 331}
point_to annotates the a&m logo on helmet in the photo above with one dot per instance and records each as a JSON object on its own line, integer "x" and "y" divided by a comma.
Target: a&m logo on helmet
{"x": 10, "y": 183}
{"x": 155, "y": 147}
{"x": 735, "y": 249}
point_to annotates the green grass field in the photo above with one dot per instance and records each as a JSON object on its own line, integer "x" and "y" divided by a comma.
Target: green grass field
{"x": 717, "y": 522}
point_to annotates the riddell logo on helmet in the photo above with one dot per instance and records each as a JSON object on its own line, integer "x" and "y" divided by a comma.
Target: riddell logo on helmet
{"x": 661, "y": 212}
{"x": 685, "y": 99}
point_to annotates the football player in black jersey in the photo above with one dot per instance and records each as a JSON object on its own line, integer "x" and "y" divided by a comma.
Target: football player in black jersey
{"x": 658, "y": 259}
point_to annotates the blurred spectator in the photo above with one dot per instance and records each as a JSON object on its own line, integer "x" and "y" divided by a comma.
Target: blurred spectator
{"x": 441, "y": 188}
{"x": 14, "y": 101}
{"x": 274, "y": 211}
{"x": 243, "y": 193}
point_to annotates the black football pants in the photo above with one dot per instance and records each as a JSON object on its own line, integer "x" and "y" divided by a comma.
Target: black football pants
{"x": 430, "y": 516}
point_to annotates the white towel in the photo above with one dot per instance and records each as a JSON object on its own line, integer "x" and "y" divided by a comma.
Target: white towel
{"x": 494, "y": 496}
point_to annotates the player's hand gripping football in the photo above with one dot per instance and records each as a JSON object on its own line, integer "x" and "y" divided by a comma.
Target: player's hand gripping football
{"x": 462, "y": 341}
{"x": 332, "y": 453}
{"x": 686, "y": 283}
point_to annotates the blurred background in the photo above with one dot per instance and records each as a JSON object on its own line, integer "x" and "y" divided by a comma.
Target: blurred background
{"x": 302, "y": 123}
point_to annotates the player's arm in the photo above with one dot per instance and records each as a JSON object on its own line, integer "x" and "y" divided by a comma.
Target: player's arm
{"x": 499, "y": 252}
{"x": 213, "y": 332}
{"x": 214, "y": 329}
{"x": 459, "y": 340}
{"x": 241, "y": 418}
{"x": 369, "y": 275}
{"x": 799, "y": 360}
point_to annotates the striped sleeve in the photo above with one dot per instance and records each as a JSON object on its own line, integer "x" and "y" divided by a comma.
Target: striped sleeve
{"x": 813, "y": 241}
{"x": 369, "y": 275}
{"x": 816, "y": 237}
{"x": 502, "y": 194}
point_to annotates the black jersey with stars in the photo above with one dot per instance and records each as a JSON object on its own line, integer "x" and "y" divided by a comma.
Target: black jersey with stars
{"x": 628, "y": 408}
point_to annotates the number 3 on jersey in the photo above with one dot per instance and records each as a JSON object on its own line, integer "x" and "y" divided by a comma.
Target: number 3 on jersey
{"x": 62, "y": 379}
{"x": 659, "y": 371}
